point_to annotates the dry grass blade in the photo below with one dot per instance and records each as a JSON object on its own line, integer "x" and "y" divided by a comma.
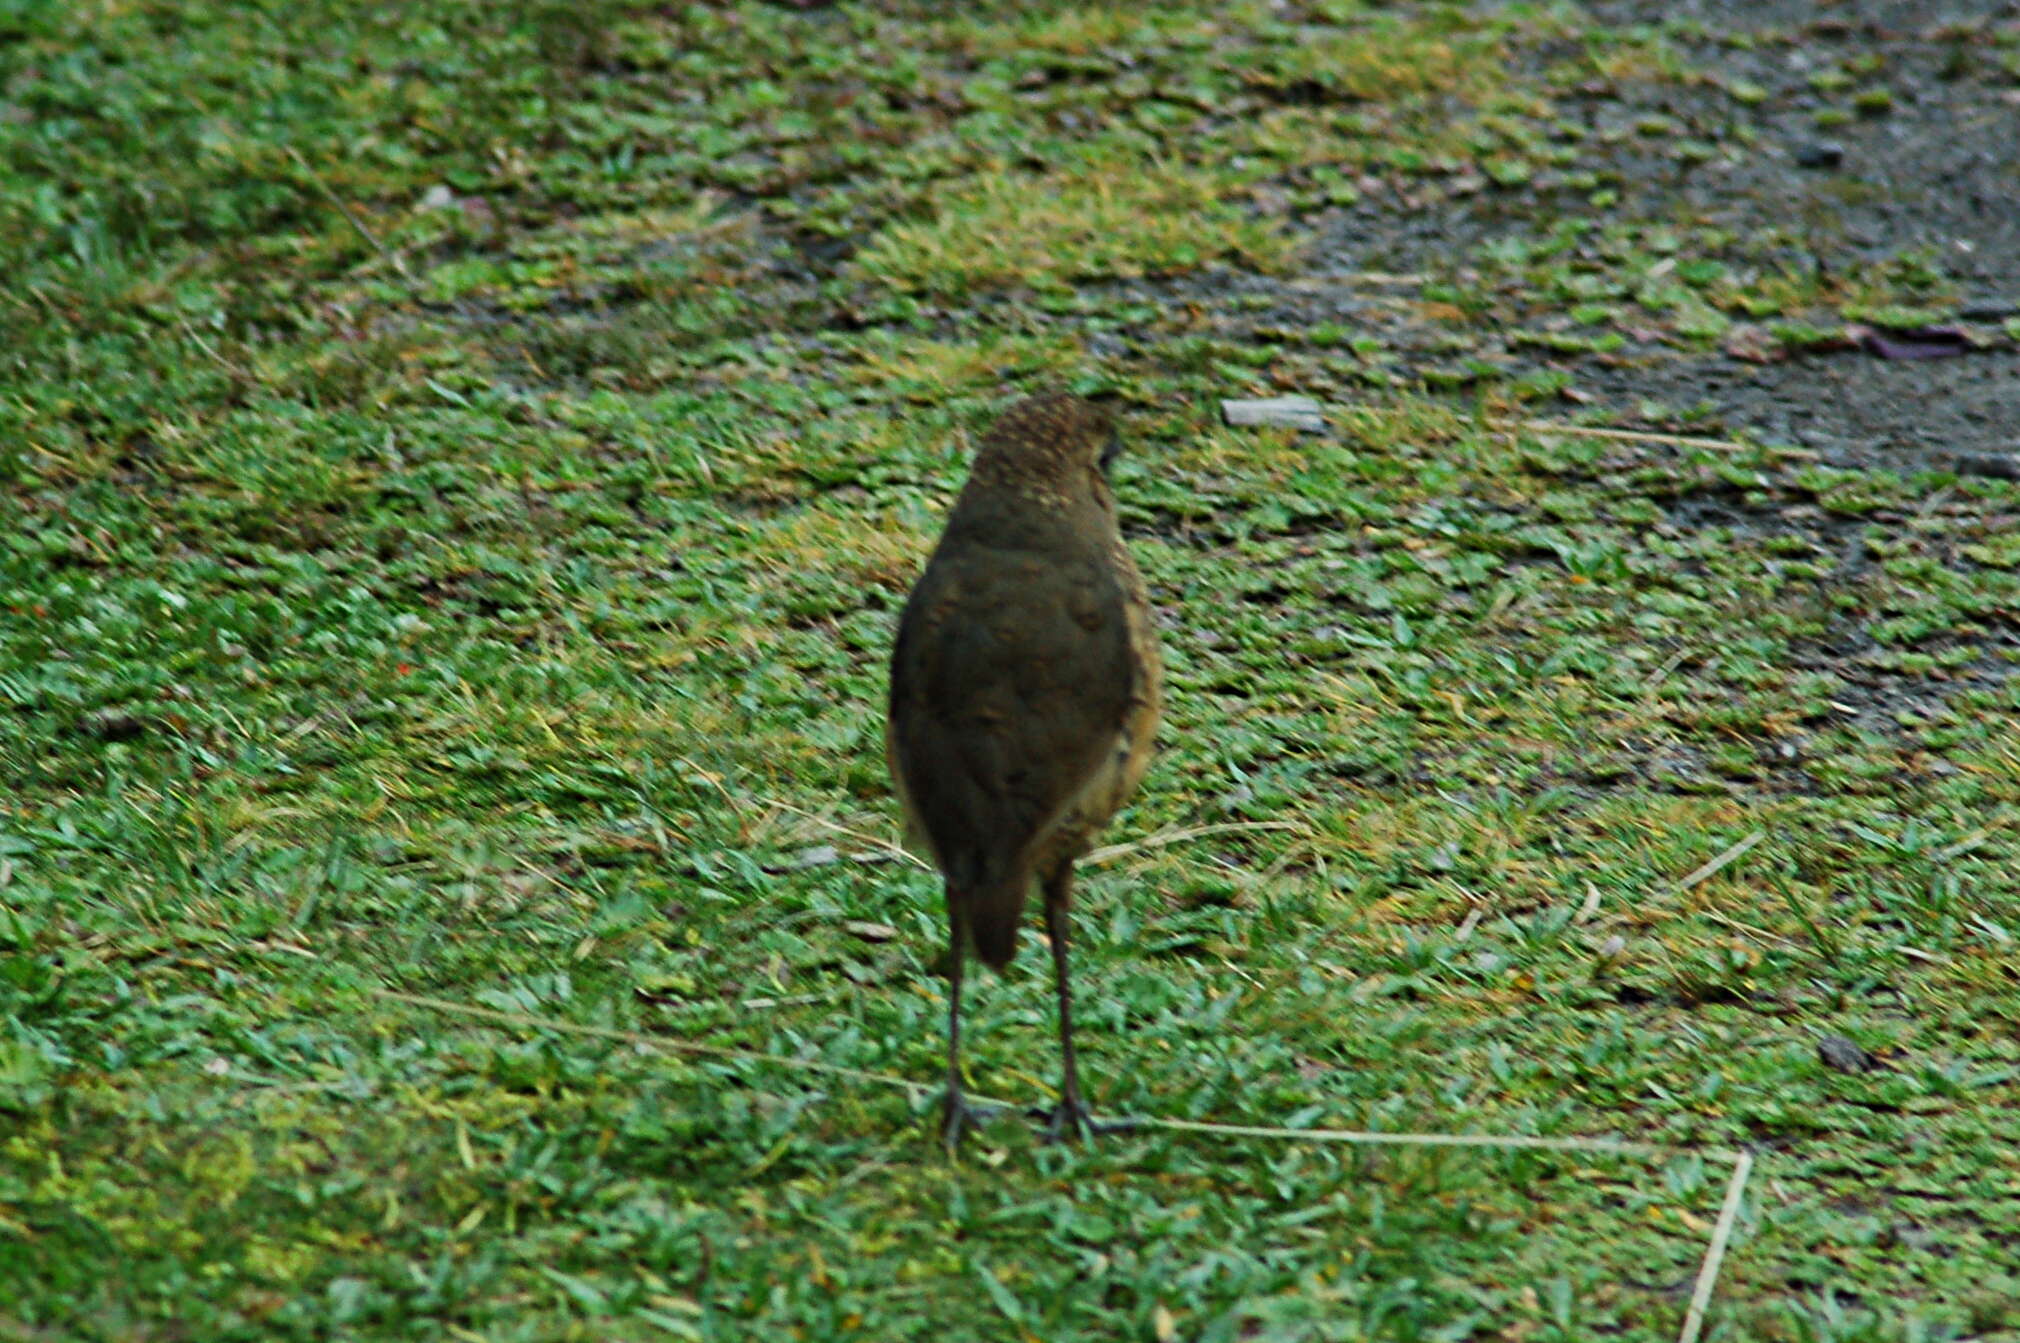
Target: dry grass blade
{"x": 1359, "y": 1137}
{"x": 1632, "y": 436}
{"x": 882, "y": 845}
{"x": 386, "y": 254}
{"x": 1714, "y": 1254}
{"x": 1110, "y": 852}
{"x": 1721, "y": 862}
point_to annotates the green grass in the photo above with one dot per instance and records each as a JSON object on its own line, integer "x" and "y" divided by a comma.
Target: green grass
{"x": 459, "y": 467}
{"x": 1106, "y": 218}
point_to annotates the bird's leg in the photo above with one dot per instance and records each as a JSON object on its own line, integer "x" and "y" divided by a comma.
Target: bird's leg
{"x": 1070, "y": 1119}
{"x": 956, "y": 1115}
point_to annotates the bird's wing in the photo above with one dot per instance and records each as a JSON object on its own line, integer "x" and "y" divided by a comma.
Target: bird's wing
{"x": 1009, "y": 684}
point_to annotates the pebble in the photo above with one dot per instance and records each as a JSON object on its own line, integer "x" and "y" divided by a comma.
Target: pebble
{"x": 1297, "y": 412}
{"x": 1835, "y": 1051}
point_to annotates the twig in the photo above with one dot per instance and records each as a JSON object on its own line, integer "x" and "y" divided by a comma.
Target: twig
{"x": 391, "y": 257}
{"x": 1714, "y": 1254}
{"x": 1361, "y": 1138}
{"x": 1715, "y": 865}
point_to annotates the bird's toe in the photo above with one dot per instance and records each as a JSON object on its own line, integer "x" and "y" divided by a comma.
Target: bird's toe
{"x": 959, "y": 1116}
{"x": 1072, "y": 1120}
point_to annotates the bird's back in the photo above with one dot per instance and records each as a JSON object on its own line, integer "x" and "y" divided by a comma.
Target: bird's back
{"x": 1025, "y": 683}
{"x": 1016, "y": 706}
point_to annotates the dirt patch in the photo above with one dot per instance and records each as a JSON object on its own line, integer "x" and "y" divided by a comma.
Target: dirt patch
{"x": 1853, "y": 410}
{"x": 1935, "y": 169}
{"x": 1813, "y": 148}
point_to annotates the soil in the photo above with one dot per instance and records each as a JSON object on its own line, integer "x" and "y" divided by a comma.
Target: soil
{"x": 1936, "y": 175}
{"x": 1939, "y": 172}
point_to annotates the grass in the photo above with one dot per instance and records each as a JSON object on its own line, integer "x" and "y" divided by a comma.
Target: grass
{"x": 1091, "y": 221}
{"x": 458, "y": 472}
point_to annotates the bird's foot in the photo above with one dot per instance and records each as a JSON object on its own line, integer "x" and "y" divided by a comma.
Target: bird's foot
{"x": 1072, "y": 1119}
{"x": 958, "y": 1115}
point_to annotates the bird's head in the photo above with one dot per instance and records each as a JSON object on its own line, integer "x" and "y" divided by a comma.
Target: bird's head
{"x": 1056, "y": 443}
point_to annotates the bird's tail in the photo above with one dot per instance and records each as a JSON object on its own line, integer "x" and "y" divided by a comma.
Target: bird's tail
{"x": 992, "y": 913}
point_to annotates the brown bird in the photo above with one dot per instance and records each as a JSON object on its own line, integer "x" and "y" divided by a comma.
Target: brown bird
{"x": 1025, "y": 690}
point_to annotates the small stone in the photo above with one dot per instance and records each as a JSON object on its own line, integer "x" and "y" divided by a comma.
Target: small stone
{"x": 1820, "y": 154}
{"x": 113, "y": 724}
{"x": 1835, "y": 1051}
{"x": 437, "y": 197}
{"x": 1997, "y": 465}
{"x": 1296, "y": 412}
{"x": 820, "y": 855}
{"x": 1912, "y": 1237}
{"x": 477, "y": 213}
